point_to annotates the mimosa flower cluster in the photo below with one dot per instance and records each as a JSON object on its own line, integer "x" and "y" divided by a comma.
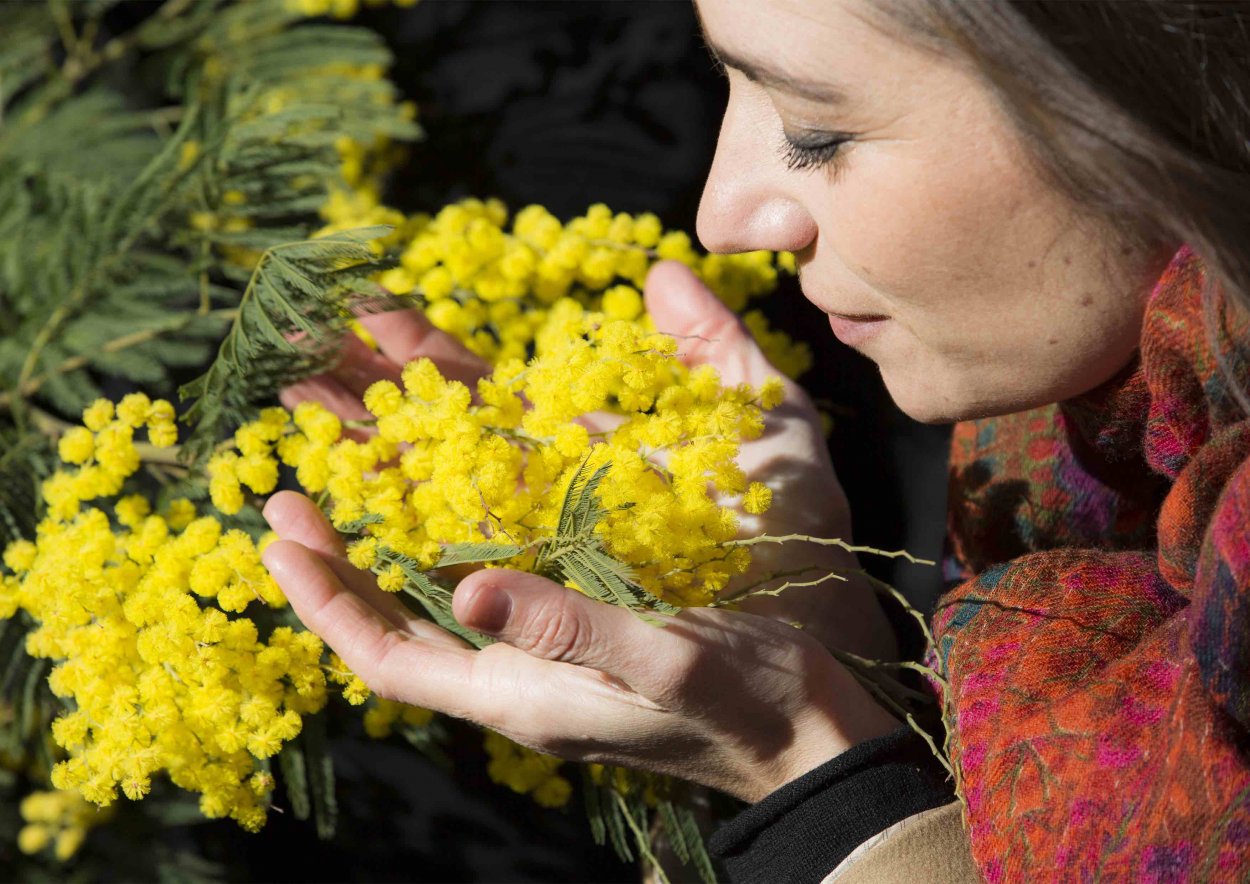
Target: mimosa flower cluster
{"x": 580, "y": 379}
{"x": 57, "y": 821}
{"x": 526, "y": 772}
{"x": 492, "y": 285}
{"x": 447, "y": 464}
{"x": 157, "y": 677}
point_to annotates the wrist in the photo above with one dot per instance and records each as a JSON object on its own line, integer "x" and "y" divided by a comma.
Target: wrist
{"x": 818, "y": 737}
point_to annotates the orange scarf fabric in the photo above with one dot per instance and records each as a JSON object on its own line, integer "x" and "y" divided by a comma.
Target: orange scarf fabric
{"x": 1097, "y": 654}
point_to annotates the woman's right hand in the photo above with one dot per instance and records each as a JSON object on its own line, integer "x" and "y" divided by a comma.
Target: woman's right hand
{"x": 791, "y": 456}
{"x": 726, "y": 699}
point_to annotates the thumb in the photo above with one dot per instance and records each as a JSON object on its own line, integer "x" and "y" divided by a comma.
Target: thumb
{"x": 552, "y": 622}
{"x": 707, "y": 331}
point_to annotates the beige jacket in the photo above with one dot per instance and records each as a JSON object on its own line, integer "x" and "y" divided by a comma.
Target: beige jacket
{"x": 928, "y": 848}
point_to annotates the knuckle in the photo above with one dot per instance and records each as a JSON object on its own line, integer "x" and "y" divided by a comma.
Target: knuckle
{"x": 682, "y": 665}
{"x": 378, "y": 678}
{"x": 557, "y": 632}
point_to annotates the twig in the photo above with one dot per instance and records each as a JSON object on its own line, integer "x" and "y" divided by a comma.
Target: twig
{"x": 133, "y": 339}
{"x": 928, "y": 738}
{"x": 644, "y": 846}
{"x": 81, "y": 64}
{"x": 889, "y": 664}
{"x": 882, "y": 587}
{"x": 65, "y": 27}
{"x": 752, "y": 592}
{"x": 831, "y": 541}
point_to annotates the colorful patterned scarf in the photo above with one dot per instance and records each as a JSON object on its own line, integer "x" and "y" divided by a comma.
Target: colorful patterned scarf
{"x": 1098, "y": 662}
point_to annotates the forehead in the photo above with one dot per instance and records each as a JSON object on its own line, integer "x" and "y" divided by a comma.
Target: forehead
{"x": 827, "y": 42}
{"x": 765, "y": 28}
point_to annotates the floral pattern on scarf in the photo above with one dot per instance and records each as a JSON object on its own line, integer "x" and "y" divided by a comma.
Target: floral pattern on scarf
{"x": 1097, "y": 653}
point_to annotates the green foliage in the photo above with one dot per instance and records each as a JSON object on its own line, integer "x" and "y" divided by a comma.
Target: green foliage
{"x": 682, "y": 831}
{"x": 463, "y": 553}
{"x": 143, "y": 170}
{"x": 308, "y": 776}
{"x": 296, "y": 303}
{"x": 24, "y": 459}
{"x": 576, "y": 553}
{"x": 431, "y": 593}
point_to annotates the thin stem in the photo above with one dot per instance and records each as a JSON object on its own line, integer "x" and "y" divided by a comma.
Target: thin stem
{"x": 48, "y": 424}
{"x": 831, "y": 541}
{"x": 644, "y": 845}
{"x": 882, "y": 587}
{"x": 885, "y": 682}
{"x": 65, "y": 27}
{"x": 82, "y": 61}
{"x": 752, "y": 592}
{"x": 928, "y": 738}
{"x": 517, "y": 435}
{"x": 878, "y": 692}
{"x": 74, "y": 363}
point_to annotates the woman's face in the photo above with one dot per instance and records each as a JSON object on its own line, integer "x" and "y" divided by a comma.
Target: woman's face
{"x": 934, "y": 246}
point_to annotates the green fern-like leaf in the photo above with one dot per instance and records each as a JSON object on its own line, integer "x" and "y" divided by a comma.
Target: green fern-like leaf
{"x": 295, "y": 307}
{"x": 432, "y": 595}
{"x": 469, "y": 553}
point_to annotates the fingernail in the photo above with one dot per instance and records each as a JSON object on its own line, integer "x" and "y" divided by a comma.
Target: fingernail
{"x": 277, "y": 565}
{"x": 490, "y": 610}
{"x": 274, "y": 571}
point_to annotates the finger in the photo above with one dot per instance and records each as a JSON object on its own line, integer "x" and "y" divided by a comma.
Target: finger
{"x": 323, "y": 388}
{"x": 707, "y": 331}
{"x": 297, "y": 518}
{"x": 394, "y": 664}
{"x": 359, "y": 367}
{"x": 555, "y": 623}
{"x": 501, "y": 688}
{"x": 405, "y": 335}
{"x": 294, "y": 517}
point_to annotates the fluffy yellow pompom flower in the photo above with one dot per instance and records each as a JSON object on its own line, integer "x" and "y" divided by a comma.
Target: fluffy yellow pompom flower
{"x": 159, "y": 678}
{"x": 527, "y": 772}
{"x": 97, "y": 415}
{"x": 757, "y": 499}
{"x": 466, "y": 260}
{"x": 57, "y": 819}
{"x": 76, "y": 446}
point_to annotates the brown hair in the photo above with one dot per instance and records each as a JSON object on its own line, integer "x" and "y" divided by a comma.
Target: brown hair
{"x": 1140, "y": 109}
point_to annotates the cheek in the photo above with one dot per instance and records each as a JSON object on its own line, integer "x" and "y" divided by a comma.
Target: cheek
{"x": 999, "y": 297}
{"x": 915, "y": 224}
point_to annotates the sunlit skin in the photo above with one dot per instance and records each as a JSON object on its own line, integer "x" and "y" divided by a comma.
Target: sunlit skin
{"x": 989, "y": 292}
{"x": 1000, "y": 294}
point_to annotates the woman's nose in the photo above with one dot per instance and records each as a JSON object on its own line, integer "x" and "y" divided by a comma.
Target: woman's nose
{"x": 750, "y": 200}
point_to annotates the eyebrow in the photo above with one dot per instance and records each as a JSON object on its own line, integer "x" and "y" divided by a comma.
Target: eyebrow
{"x": 762, "y": 73}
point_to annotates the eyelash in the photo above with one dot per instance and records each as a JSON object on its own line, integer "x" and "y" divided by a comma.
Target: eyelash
{"x": 800, "y": 157}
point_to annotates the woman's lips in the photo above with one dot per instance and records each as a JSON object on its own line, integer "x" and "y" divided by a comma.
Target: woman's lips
{"x": 854, "y": 329}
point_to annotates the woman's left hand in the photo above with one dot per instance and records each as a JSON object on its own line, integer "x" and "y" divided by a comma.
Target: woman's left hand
{"x": 730, "y": 700}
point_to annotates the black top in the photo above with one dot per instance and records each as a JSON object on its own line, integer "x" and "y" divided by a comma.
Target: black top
{"x": 803, "y": 830}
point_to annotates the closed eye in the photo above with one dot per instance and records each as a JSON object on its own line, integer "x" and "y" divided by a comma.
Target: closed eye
{"x": 812, "y": 152}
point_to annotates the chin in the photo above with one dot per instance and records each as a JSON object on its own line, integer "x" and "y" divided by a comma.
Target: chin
{"x": 929, "y": 403}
